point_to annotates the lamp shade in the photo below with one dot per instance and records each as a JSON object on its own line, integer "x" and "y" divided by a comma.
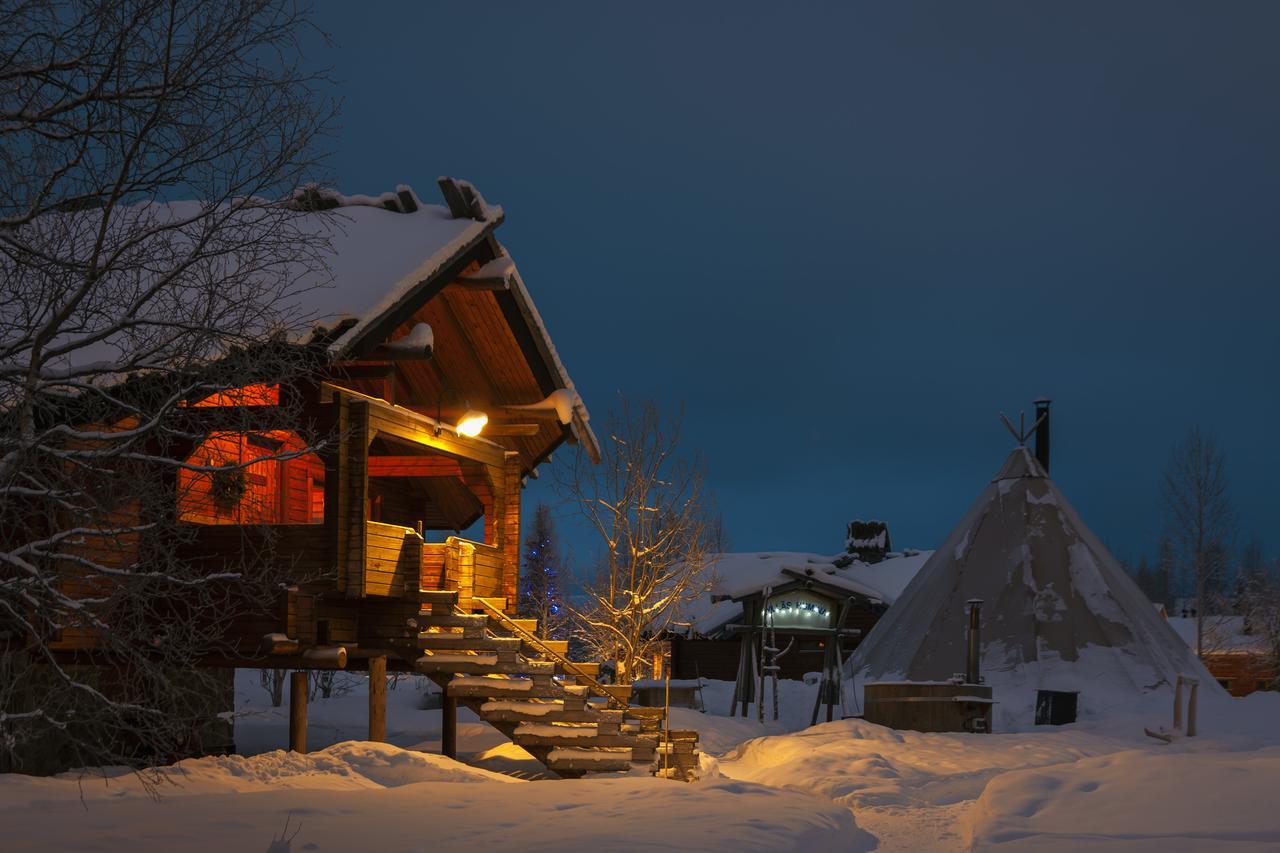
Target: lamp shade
{"x": 471, "y": 423}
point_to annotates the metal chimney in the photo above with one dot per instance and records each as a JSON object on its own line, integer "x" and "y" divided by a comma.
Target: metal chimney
{"x": 971, "y": 674}
{"x": 1042, "y": 432}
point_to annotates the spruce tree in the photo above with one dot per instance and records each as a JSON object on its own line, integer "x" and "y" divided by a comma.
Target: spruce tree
{"x": 539, "y": 584}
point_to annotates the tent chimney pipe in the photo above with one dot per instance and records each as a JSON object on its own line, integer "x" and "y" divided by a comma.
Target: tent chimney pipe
{"x": 971, "y": 675}
{"x": 1042, "y": 432}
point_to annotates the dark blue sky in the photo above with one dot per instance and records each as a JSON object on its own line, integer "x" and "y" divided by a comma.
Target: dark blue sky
{"x": 845, "y": 236}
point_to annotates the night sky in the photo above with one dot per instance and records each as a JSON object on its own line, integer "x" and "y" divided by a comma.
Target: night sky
{"x": 845, "y": 236}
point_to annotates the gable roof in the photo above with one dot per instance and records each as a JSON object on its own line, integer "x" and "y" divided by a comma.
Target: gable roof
{"x": 396, "y": 261}
{"x": 740, "y": 575}
{"x": 1059, "y": 612}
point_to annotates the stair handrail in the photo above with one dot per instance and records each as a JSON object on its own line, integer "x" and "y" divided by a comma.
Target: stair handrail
{"x": 533, "y": 640}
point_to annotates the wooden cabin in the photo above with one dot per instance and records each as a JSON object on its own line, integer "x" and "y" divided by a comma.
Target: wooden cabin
{"x": 383, "y": 484}
{"x": 378, "y": 493}
{"x": 802, "y": 594}
{"x": 1236, "y": 655}
{"x": 802, "y": 609}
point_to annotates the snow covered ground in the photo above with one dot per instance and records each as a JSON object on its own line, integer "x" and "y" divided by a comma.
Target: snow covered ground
{"x": 845, "y": 785}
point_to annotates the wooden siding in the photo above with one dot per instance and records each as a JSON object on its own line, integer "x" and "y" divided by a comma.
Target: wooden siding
{"x": 393, "y": 561}
{"x": 277, "y": 491}
{"x": 433, "y": 570}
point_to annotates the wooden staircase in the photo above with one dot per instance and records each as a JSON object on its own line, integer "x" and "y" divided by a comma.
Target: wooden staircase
{"x": 528, "y": 689}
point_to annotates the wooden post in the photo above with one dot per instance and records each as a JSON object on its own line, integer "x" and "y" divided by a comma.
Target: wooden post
{"x": 449, "y": 725}
{"x": 1191, "y": 709}
{"x": 1177, "y": 704}
{"x": 378, "y": 698}
{"x": 298, "y": 711}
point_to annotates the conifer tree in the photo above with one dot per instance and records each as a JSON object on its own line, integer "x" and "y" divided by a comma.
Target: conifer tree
{"x": 539, "y": 584}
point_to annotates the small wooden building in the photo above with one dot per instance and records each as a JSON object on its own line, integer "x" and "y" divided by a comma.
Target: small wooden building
{"x": 427, "y": 322}
{"x": 383, "y": 485}
{"x": 1235, "y": 655}
{"x": 804, "y": 592}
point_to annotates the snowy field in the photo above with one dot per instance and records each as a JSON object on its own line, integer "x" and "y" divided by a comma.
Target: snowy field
{"x": 845, "y": 785}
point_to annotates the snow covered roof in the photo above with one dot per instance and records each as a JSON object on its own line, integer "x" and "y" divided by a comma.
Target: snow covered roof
{"x": 391, "y": 253}
{"x": 378, "y": 258}
{"x": 1222, "y": 634}
{"x": 1059, "y": 612}
{"x": 743, "y": 574}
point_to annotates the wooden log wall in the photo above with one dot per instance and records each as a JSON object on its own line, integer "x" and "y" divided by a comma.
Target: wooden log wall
{"x": 433, "y": 572}
{"x": 460, "y": 569}
{"x": 277, "y": 491}
{"x": 509, "y": 530}
{"x": 349, "y": 494}
{"x": 393, "y": 560}
{"x": 488, "y": 578}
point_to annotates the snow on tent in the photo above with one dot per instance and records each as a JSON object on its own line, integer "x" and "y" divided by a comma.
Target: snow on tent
{"x": 1058, "y": 613}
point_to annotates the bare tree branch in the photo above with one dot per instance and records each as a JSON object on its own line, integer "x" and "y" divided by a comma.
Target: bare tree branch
{"x": 119, "y": 309}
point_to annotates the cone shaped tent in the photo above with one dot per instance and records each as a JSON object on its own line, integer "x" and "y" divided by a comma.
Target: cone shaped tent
{"x": 1059, "y": 612}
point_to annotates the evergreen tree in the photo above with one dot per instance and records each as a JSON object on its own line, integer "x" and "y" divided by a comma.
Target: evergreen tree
{"x": 539, "y": 584}
{"x": 1145, "y": 578}
{"x": 1164, "y": 572}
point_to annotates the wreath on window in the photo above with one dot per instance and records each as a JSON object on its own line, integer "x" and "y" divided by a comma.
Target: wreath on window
{"x": 228, "y": 485}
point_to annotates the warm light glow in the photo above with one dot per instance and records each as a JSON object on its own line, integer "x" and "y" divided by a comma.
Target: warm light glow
{"x": 471, "y": 423}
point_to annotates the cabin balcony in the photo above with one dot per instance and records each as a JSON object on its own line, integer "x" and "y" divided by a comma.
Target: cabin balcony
{"x": 386, "y": 506}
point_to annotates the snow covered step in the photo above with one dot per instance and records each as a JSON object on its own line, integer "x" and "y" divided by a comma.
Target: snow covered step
{"x": 449, "y": 662}
{"x": 556, "y": 647}
{"x": 484, "y": 687}
{"x": 583, "y": 738}
{"x": 502, "y": 688}
{"x": 460, "y": 641}
{"x": 503, "y": 711}
{"x": 566, "y": 758}
{"x": 643, "y": 714}
{"x": 554, "y": 734}
{"x": 621, "y": 692}
{"x": 538, "y": 667}
{"x": 498, "y": 604}
{"x": 590, "y": 670}
{"x": 529, "y": 626}
{"x": 427, "y": 619}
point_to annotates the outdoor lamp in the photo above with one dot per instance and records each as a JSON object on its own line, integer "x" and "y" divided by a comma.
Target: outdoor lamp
{"x": 471, "y": 423}
{"x": 472, "y": 420}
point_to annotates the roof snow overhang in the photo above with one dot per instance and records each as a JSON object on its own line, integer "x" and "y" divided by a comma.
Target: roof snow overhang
{"x": 490, "y": 342}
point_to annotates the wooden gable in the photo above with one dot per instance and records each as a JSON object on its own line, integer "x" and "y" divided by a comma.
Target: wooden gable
{"x": 489, "y": 352}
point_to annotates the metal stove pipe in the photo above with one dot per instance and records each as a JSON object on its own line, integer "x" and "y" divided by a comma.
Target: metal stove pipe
{"x": 971, "y": 675}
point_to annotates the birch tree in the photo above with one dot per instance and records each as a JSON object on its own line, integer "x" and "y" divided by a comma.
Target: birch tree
{"x": 117, "y": 311}
{"x": 1200, "y": 517}
{"x": 656, "y": 529}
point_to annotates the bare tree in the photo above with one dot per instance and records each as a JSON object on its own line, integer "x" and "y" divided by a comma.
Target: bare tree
{"x": 656, "y": 528}
{"x": 272, "y": 681}
{"x": 1260, "y": 607}
{"x": 1200, "y": 517}
{"x": 118, "y": 312}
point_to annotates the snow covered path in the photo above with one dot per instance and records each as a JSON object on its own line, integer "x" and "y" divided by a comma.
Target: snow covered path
{"x": 1089, "y": 786}
{"x": 846, "y": 785}
{"x": 364, "y": 796}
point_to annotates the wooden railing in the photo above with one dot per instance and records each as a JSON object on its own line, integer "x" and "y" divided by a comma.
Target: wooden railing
{"x": 393, "y": 559}
{"x": 472, "y": 568}
{"x": 510, "y": 625}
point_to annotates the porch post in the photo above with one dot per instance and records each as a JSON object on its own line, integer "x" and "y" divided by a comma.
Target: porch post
{"x": 298, "y": 711}
{"x": 449, "y": 725}
{"x": 378, "y": 698}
